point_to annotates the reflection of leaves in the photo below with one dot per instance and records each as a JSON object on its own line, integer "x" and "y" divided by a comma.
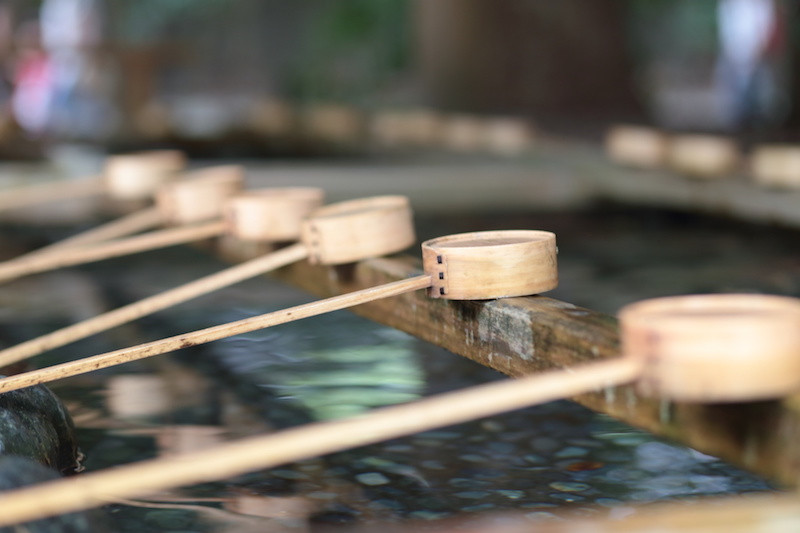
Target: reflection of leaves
{"x": 353, "y": 46}
{"x": 347, "y": 381}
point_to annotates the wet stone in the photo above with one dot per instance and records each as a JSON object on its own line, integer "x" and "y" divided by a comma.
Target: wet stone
{"x": 377, "y": 462}
{"x": 565, "y": 486}
{"x": 35, "y": 424}
{"x": 322, "y": 495}
{"x": 511, "y": 494}
{"x": 386, "y": 504}
{"x": 501, "y": 447}
{"x": 534, "y": 459}
{"x": 481, "y": 507}
{"x": 486, "y": 473}
{"x": 428, "y": 443}
{"x": 545, "y": 444}
{"x": 399, "y": 448}
{"x": 441, "y": 435}
{"x": 428, "y": 515}
{"x": 465, "y": 483}
{"x": 333, "y": 517}
{"x": 571, "y": 451}
{"x": 372, "y": 479}
{"x": 608, "y": 502}
{"x": 568, "y": 497}
{"x": 473, "y": 494}
{"x": 629, "y": 440}
{"x": 537, "y": 505}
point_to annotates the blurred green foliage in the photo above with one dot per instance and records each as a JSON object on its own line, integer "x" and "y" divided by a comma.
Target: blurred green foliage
{"x": 351, "y": 48}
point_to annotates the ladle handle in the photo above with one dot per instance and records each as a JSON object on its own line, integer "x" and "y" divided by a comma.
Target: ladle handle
{"x": 147, "y": 306}
{"x": 255, "y": 453}
{"x": 69, "y": 257}
{"x": 122, "y": 227}
{"x": 203, "y": 336}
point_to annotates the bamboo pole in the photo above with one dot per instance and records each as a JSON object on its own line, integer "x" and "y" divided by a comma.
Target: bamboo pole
{"x": 121, "y": 227}
{"x": 152, "y": 304}
{"x": 138, "y": 479}
{"x": 150, "y": 349}
{"x": 70, "y": 256}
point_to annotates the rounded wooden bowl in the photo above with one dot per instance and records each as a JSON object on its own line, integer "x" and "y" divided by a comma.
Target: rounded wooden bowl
{"x": 200, "y": 195}
{"x": 715, "y": 348}
{"x": 491, "y": 264}
{"x": 463, "y": 133}
{"x": 703, "y": 156}
{"x": 507, "y": 136}
{"x": 776, "y": 166}
{"x": 636, "y": 146}
{"x": 388, "y": 128}
{"x": 333, "y": 123}
{"x": 423, "y": 128}
{"x": 138, "y": 176}
{"x": 271, "y": 215}
{"x": 358, "y": 229}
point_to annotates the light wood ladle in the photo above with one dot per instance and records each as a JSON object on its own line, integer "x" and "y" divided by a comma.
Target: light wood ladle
{"x": 264, "y": 216}
{"x": 185, "y": 203}
{"x": 468, "y": 266}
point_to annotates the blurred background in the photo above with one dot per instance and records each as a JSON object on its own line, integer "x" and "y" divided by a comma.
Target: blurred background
{"x": 125, "y": 72}
{"x": 239, "y": 80}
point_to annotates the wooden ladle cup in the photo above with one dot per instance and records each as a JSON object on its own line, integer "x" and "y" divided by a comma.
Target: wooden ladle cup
{"x": 183, "y": 203}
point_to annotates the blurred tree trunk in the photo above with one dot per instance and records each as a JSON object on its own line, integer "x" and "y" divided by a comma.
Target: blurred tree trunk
{"x": 540, "y": 57}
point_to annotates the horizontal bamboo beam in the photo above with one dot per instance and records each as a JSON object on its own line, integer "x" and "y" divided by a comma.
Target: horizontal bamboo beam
{"x": 519, "y": 336}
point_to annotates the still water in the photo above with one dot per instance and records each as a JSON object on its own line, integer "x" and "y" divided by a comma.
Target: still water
{"x": 540, "y": 461}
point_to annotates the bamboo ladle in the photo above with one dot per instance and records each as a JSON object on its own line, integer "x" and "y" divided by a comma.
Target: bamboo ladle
{"x": 461, "y": 267}
{"x": 127, "y": 177}
{"x": 658, "y": 340}
{"x": 124, "y": 177}
{"x": 184, "y": 203}
{"x": 268, "y": 215}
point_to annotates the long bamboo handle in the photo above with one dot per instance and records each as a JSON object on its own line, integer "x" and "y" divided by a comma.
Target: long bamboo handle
{"x": 147, "y": 306}
{"x": 194, "y": 338}
{"x": 122, "y": 227}
{"x": 50, "y": 192}
{"x": 69, "y": 257}
{"x": 227, "y": 460}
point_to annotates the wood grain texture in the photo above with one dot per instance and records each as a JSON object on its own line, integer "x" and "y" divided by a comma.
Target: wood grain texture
{"x": 519, "y": 336}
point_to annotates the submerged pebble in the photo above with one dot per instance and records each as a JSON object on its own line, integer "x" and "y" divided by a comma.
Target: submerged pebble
{"x": 462, "y": 482}
{"x": 479, "y": 507}
{"x": 571, "y": 451}
{"x": 372, "y": 479}
{"x": 511, "y": 494}
{"x": 565, "y": 486}
{"x": 429, "y": 515}
{"x": 473, "y": 494}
